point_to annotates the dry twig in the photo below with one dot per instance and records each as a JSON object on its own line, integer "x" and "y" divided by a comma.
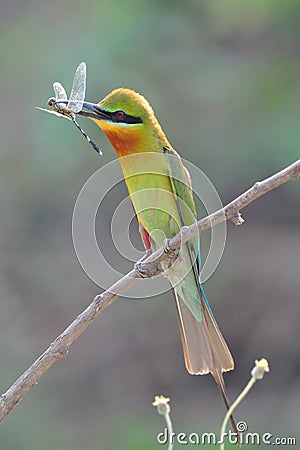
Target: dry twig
{"x": 59, "y": 348}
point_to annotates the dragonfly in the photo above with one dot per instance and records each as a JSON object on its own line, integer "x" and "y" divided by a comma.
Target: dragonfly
{"x": 68, "y": 108}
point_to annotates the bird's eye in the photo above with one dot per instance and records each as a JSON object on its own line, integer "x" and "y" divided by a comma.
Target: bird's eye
{"x": 120, "y": 114}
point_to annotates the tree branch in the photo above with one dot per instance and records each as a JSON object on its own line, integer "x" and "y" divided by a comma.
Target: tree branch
{"x": 59, "y": 348}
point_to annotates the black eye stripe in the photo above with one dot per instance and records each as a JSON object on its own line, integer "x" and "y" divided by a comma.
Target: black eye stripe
{"x": 113, "y": 117}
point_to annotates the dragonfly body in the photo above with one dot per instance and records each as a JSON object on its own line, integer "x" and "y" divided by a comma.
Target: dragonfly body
{"x": 56, "y": 106}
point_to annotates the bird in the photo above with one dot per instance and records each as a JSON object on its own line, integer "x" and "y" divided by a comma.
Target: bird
{"x": 160, "y": 189}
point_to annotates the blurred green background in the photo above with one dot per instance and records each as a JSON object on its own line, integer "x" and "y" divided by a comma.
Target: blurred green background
{"x": 223, "y": 78}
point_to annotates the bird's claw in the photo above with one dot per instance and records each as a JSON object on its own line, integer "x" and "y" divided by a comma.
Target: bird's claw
{"x": 139, "y": 267}
{"x": 170, "y": 252}
{"x": 168, "y": 249}
{"x": 146, "y": 270}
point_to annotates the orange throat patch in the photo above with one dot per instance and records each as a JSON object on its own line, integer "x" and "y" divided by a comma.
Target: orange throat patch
{"x": 125, "y": 139}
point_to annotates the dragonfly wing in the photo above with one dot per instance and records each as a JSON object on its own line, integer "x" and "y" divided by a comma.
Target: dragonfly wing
{"x": 77, "y": 95}
{"x": 60, "y": 94}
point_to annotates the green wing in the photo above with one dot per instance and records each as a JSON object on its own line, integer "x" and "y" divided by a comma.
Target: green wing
{"x": 204, "y": 347}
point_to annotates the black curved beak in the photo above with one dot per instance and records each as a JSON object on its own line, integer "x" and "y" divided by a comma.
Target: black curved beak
{"x": 94, "y": 111}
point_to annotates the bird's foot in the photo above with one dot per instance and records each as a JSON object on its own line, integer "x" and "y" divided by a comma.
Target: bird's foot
{"x": 147, "y": 270}
{"x": 172, "y": 253}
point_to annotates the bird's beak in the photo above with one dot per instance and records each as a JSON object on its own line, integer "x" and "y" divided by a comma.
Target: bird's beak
{"x": 93, "y": 111}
